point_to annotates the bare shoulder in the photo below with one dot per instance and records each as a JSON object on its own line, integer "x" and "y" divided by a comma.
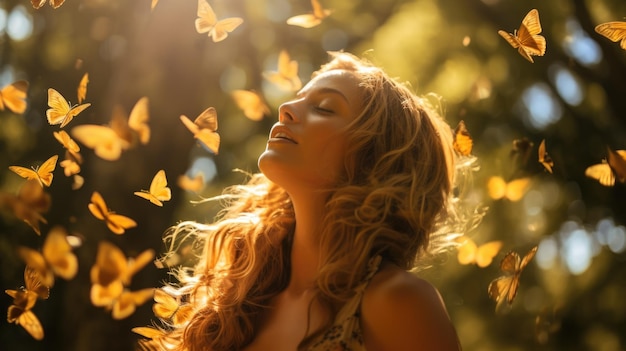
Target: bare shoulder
{"x": 401, "y": 311}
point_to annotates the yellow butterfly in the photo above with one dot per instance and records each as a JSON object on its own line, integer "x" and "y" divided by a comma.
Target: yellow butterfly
{"x": 482, "y": 256}
{"x": 251, "y": 103}
{"x": 158, "y": 190}
{"x": 29, "y": 204}
{"x": 71, "y": 164}
{"x": 43, "y": 173}
{"x": 544, "y": 158}
{"x": 311, "y": 19}
{"x": 207, "y": 22}
{"x": 77, "y": 182}
{"x": 116, "y": 223}
{"x": 170, "y": 308}
{"x": 81, "y": 92}
{"x": 194, "y": 184}
{"x": 204, "y": 128}
{"x": 54, "y": 3}
{"x": 463, "y": 142}
{"x": 68, "y": 143}
{"x": 527, "y": 39}
{"x": 615, "y": 31}
{"x": 504, "y": 288}
{"x": 608, "y": 171}
{"x": 20, "y": 312}
{"x": 13, "y": 96}
{"x": 60, "y": 111}
{"x": 111, "y": 274}
{"x": 287, "y": 75}
{"x": 108, "y": 142}
{"x": 56, "y": 257}
{"x": 514, "y": 190}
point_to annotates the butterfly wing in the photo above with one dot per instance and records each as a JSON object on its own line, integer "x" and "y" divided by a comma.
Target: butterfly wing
{"x": 206, "y": 17}
{"x": 207, "y": 135}
{"x": 138, "y": 120}
{"x": 486, "y": 252}
{"x": 13, "y": 96}
{"x": 37, "y": 4}
{"x": 127, "y": 302}
{"x": 98, "y": 207}
{"x": 44, "y": 172}
{"x": 159, "y": 188}
{"x": 318, "y": 10}
{"x": 73, "y": 112}
{"x": 25, "y": 172}
{"x": 165, "y": 305}
{"x": 59, "y": 107}
{"x": 517, "y": 188}
{"x": 305, "y": 21}
{"x": 58, "y": 254}
{"x": 602, "y": 173}
{"x": 466, "y": 252}
{"x": 33, "y": 282}
{"x": 56, "y": 3}
{"x": 463, "y": 142}
{"x": 118, "y": 223}
{"x": 617, "y": 162}
{"x": 251, "y": 104}
{"x": 221, "y": 29}
{"x": 36, "y": 261}
{"x": 614, "y": 31}
{"x": 104, "y": 141}
{"x": 29, "y": 321}
{"x": 81, "y": 91}
{"x": 544, "y": 158}
{"x": 510, "y": 38}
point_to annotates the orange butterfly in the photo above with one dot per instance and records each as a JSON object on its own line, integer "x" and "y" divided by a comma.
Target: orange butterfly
{"x": 29, "y": 204}
{"x": 108, "y": 142}
{"x": 56, "y": 257}
{"x": 20, "y": 312}
{"x": 60, "y": 111}
{"x": 170, "y": 308}
{"x": 610, "y": 170}
{"x": 43, "y": 173}
{"x": 111, "y": 274}
{"x": 158, "y": 190}
{"x": 504, "y": 288}
{"x": 81, "y": 92}
{"x": 54, "y": 3}
{"x": 68, "y": 143}
{"x": 207, "y": 22}
{"x": 482, "y": 256}
{"x": 527, "y": 39}
{"x": 544, "y": 158}
{"x": 251, "y": 104}
{"x": 13, "y": 96}
{"x": 311, "y": 19}
{"x": 204, "y": 128}
{"x": 462, "y": 140}
{"x": 194, "y": 184}
{"x": 287, "y": 75}
{"x": 71, "y": 164}
{"x": 514, "y": 190}
{"x": 116, "y": 223}
{"x": 615, "y": 31}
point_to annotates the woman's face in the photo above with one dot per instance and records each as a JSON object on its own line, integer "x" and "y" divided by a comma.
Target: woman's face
{"x": 306, "y": 147}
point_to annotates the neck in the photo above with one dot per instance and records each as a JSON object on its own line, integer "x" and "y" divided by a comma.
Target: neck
{"x": 309, "y": 211}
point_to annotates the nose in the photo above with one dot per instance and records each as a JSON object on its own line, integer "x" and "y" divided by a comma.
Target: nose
{"x": 287, "y": 113}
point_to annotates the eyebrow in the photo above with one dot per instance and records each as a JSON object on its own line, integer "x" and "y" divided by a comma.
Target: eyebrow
{"x": 326, "y": 90}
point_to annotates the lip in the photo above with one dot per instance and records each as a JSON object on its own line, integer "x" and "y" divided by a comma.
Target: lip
{"x": 280, "y": 133}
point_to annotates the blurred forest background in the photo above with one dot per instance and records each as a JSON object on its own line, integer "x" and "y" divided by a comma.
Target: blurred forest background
{"x": 571, "y": 295}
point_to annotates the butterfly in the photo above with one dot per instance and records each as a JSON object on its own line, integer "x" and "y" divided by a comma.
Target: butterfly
{"x": 29, "y": 204}
{"x": 527, "y": 39}
{"x": 608, "y": 171}
{"x": 111, "y": 274}
{"x": 504, "y": 288}
{"x": 56, "y": 257}
{"x": 20, "y": 312}
{"x": 43, "y": 173}
{"x": 207, "y": 22}
{"x": 514, "y": 190}
{"x": 462, "y": 140}
{"x": 71, "y": 164}
{"x": 194, "y": 184}
{"x": 81, "y": 91}
{"x": 170, "y": 308}
{"x": 13, "y": 96}
{"x": 204, "y": 128}
{"x": 60, "y": 111}
{"x": 116, "y": 223}
{"x": 615, "y": 31}
{"x": 482, "y": 256}
{"x": 68, "y": 143}
{"x": 108, "y": 142}
{"x": 287, "y": 75}
{"x": 158, "y": 190}
{"x": 311, "y": 19}
{"x": 54, "y": 3}
{"x": 251, "y": 104}
{"x": 544, "y": 158}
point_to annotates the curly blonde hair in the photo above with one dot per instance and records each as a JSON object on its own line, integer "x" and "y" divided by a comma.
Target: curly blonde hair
{"x": 393, "y": 195}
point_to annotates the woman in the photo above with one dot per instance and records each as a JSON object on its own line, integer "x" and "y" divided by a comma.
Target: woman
{"x": 313, "y": 253}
